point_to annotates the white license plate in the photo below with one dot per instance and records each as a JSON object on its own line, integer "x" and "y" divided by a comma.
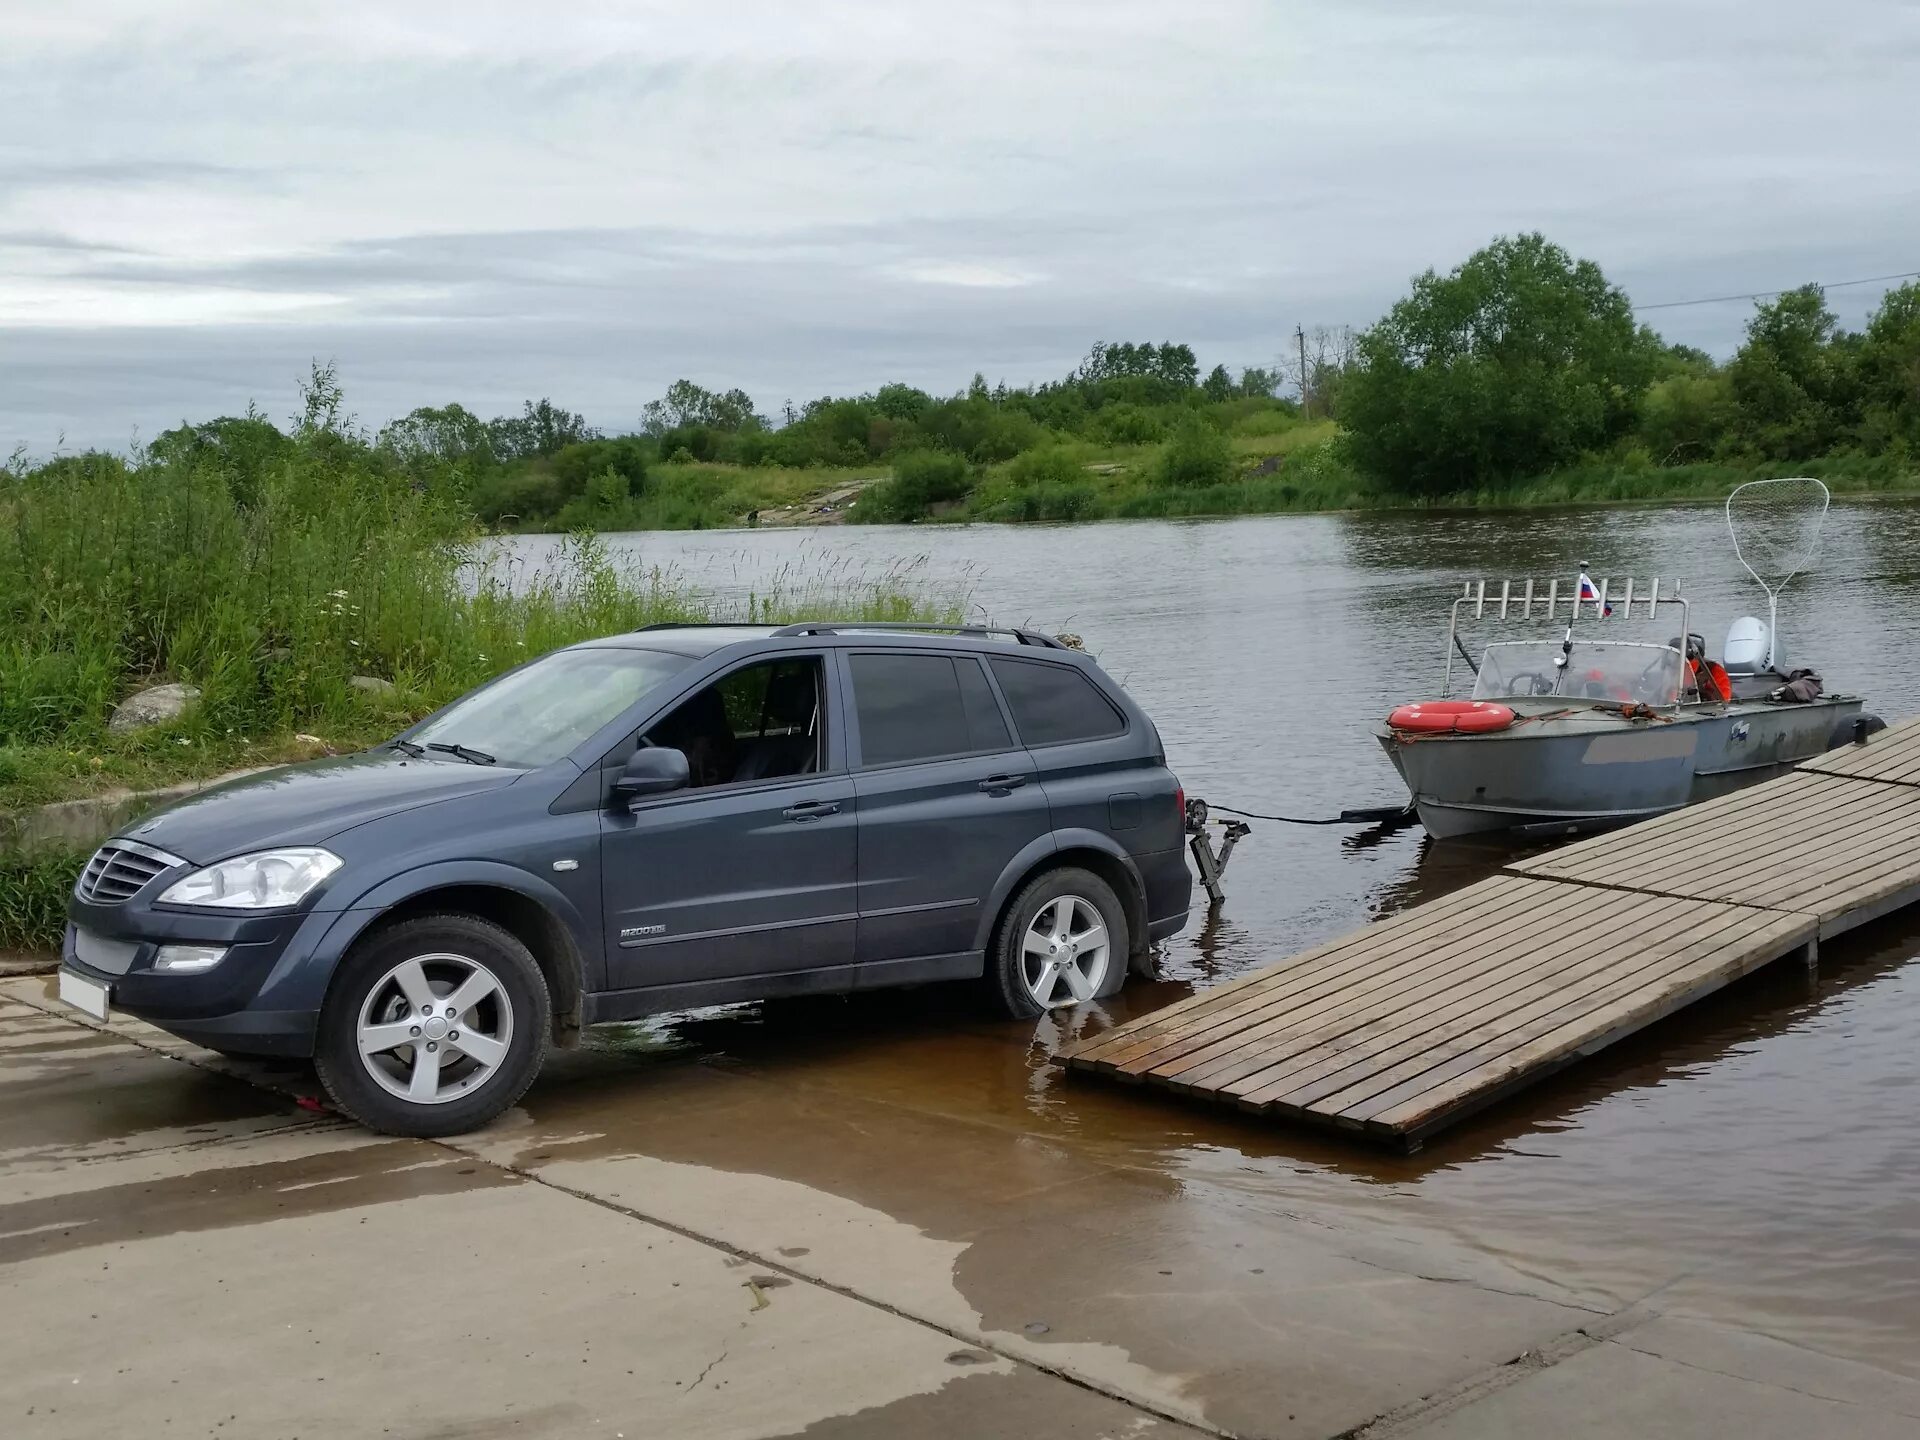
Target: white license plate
{"x": 89, "y": 996}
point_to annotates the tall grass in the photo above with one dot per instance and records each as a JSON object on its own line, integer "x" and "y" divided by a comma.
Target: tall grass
{"x": 33, "y": 896}
{"x": 268, "y": 589}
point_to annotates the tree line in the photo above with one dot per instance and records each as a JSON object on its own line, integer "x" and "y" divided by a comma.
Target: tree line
{"x": 1520, "y": 363}
{"x": 548, "y": 466}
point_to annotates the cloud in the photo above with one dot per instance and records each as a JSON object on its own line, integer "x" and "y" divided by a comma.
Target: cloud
{"x": 142, "y": 171}
{"x": 458, "y": 203}
{"x": 968, "y": 274}
{"x": 55, "y": 242}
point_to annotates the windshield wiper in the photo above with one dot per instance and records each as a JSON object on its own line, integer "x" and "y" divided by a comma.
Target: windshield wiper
{"x": 407, "y": 748}
{"x": 465, "y": 752}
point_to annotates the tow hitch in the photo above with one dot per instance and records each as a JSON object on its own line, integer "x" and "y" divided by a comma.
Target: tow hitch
{"x": 1211, "y": 863}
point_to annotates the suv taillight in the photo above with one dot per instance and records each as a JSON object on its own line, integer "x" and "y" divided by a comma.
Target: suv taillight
{"x": 1180, "y": 800}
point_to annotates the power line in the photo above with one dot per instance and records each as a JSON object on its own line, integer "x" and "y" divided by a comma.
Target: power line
{"x": 1769, "y": 294}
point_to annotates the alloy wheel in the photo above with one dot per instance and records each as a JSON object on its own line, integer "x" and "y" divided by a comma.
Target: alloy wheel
{"x": 434, "y": 1028}
{"x": 1065, "y": 953}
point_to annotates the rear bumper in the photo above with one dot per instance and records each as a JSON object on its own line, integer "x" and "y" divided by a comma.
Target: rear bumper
{"x": 1166, "y": 927}
{"x": 1168, "y": 884}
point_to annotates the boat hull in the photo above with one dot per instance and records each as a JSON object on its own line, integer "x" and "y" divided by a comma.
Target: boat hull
{"x": 1591, "y": 767}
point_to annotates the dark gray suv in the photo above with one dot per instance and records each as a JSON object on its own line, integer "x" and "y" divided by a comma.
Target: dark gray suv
{"x": 671, "y": 818}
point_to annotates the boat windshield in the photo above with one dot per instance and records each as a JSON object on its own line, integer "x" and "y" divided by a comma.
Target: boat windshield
{"x": 1622, "y": 671}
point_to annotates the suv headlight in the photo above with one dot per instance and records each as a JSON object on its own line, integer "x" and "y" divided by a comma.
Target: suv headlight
{"x": 264, "y": 880}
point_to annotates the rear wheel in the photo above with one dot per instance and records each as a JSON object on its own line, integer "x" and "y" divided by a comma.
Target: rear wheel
{"x": 1062, "y": 942}
{"x": 433, "y": 1026}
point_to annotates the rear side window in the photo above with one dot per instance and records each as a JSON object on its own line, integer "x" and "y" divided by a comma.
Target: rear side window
{"x": 1053, "y": 704}
{"x": 985, "y": 723}
{"x": 922, "y": 707}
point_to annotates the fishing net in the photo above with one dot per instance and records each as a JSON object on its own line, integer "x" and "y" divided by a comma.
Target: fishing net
{"x": 1775, "y": 525}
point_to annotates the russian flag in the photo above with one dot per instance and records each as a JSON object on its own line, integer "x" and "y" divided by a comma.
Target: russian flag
{"x": 1590, "y": 593}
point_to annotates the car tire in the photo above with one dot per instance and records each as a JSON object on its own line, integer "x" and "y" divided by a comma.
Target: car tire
{"x": 426, "y": 1075}
{"x": 1025, "y": 980}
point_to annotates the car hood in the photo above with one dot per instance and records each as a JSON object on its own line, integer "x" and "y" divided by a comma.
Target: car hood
{"x": 308, "y": 804}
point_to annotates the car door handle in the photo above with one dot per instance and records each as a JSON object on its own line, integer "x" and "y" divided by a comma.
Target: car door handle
{"x": 999, "y": 784}
{"x": 811, "y": 809}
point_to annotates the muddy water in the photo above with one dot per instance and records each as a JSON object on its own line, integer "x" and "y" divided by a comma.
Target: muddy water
{"x": 1756, "y": 1157}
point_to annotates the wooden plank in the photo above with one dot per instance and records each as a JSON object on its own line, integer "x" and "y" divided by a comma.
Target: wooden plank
{"x": 1579, "y": 1036}
{"x": 1733, "y": 813}
{"x": 1761, "y": 845}
{"x": 1378, "y": 977}
{"x": 1841, "y": 864}
{"x": 1890, "y": 899}
{"x": 1704, "y": 817}
{"x": 1751, "y": 862}
{"x": 1485, "y": 895}
{"x": 1838, "y": 905}
{"x": 1477, "y": 1018}
{"x": 1474, "y": 1009}
{"x": 1892, "y": 756}
{"x": 1589, "y": 990}
{"x": 1609, "y": 856}
{"x": 1409, "y": 1001}
{"x": 1805, "y": 858}
{"x": 1757, "y": 814}
{"x": 1498, "y": 899}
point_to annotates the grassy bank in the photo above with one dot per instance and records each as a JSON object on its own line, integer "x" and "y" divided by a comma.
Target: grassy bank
{"x": 1298, "y": 470}
{"x": 269, "y": 587}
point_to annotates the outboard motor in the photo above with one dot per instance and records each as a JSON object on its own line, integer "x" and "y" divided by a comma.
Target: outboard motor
{"x": 1747, "y": 643}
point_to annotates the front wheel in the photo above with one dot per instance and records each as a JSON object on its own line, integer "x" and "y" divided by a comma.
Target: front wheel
{"x": 433, "y": 1026}
{"x": 1063, "y": 942}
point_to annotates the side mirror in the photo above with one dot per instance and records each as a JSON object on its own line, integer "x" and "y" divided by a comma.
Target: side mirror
{"x": 652, "y": 770}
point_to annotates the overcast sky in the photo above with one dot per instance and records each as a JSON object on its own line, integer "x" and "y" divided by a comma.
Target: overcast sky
{"x": 488, "y": 202}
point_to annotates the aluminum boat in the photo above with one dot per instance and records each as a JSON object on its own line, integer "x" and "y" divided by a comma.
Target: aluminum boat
{"x": 1587, "y": 727}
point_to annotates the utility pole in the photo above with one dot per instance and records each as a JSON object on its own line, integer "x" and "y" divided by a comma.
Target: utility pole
{"x": 1306, "y": 405}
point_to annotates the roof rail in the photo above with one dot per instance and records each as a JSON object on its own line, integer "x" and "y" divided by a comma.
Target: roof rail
{"x": 836, "y": 627}
{"x": 702, "y": 625}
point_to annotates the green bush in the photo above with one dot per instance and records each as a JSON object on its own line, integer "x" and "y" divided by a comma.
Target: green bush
{"x": 1686, "y": 417}
{"x": 1265, "y": 417}
{"x": 577, "y": 466}
{"x": 1050, "y": 501}
{"x": 1051, "y": 465}
{"x": 921, "y": 479}
{"x": 1195, "y": 455}
{"x": 526, "y": 498}
{"x": 1127, "y": 424}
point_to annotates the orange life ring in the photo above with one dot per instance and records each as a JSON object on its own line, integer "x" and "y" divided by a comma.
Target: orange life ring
{"x": 1450, "y": 717}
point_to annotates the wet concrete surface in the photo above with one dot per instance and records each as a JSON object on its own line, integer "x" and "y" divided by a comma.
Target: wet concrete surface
{"x": 264, "y": 1271}
{"x": 873, "y": 1218}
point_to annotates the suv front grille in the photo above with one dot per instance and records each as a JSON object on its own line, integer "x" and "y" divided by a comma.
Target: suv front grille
{"x": 120, "y": 870}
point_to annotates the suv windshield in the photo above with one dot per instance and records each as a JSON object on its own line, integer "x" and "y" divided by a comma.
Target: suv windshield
{"x": 1597, "y": 670}
{"x": 542, "y": 711}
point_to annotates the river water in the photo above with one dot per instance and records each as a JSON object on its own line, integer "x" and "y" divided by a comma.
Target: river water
{"x": 1755, "y": 1156}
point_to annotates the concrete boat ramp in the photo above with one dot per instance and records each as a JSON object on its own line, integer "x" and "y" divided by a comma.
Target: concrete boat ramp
{"x": 1413, "y": 1023}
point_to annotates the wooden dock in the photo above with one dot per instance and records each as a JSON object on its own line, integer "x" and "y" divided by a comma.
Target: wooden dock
{"x": 1416, "y": 1021}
